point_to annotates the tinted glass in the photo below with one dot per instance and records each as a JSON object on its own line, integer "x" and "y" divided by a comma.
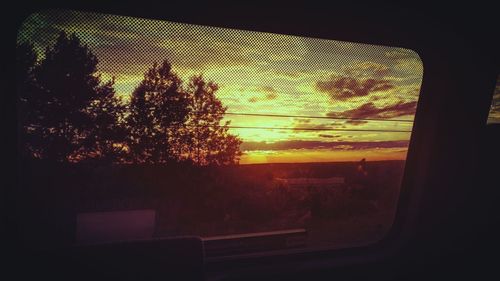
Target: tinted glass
{"x": 155, "y": 128}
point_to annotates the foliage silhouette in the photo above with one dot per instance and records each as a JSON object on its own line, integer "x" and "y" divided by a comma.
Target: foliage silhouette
{"x": 203, "y": 139}
{"x": 67, "y": 114}
{"x": 106, "y": 141}
{"x": 27, "y": 104}
{"x": 157, "y": 105}
{"x": 73, "y": 116}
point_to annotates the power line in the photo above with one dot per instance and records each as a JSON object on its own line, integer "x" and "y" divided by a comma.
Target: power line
{"x": 294, "y": 116}
{"x": 317, "y": 117}
{"x": 286, "y": 128}
{"x": 317, "y": 129}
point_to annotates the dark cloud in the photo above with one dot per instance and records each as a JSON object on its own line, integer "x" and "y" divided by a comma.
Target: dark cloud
{"x": 335, "y": 145}
{"x": 253, "y": 99}
{"x": 369, "y": 110}
{"x": 328, "y": 136}
{"x": 268, "y": 89}
{"x": 343, "y": 87}
{"x": 307, "y": 123}
{"x": 269, "y": 94}
{"x": 356, "y": 122}
{"x": 129, "y": 58}
{"x": 123, "y": 42}
{"x": 302, "y": 120}
{"x": 301, "y": 126}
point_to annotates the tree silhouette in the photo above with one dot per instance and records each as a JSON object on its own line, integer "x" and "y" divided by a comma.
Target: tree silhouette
{"x": 27, "y": 105}
{"x": 157, "y": 106}
{"x": 67, "y": 89}
{"x": 203, "y": 139}
{"x": 105, "y": 141}
{"x": 67, "y": 114}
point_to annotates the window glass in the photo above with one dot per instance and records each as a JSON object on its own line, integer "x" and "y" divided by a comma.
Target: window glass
{"x": 132, "y": 128}
{"x": 494, "y": 115}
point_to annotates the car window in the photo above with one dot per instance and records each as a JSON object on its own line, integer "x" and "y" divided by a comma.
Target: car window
{"x": 132, "y": 128}
{"x": 494, "y": 114}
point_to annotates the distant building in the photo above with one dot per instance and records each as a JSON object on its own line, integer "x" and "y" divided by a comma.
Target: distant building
{"x": 317, "y": 182}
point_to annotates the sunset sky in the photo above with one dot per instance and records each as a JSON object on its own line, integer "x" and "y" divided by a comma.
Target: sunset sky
{"x": 263, "y": 73}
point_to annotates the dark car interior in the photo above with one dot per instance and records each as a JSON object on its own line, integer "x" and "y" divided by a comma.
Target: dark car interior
{"x": 447, "y": 221}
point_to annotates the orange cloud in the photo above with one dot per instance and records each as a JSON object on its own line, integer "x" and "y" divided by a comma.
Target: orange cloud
{"x": 343, "y": 87}
{"x": 369, "y": 110}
